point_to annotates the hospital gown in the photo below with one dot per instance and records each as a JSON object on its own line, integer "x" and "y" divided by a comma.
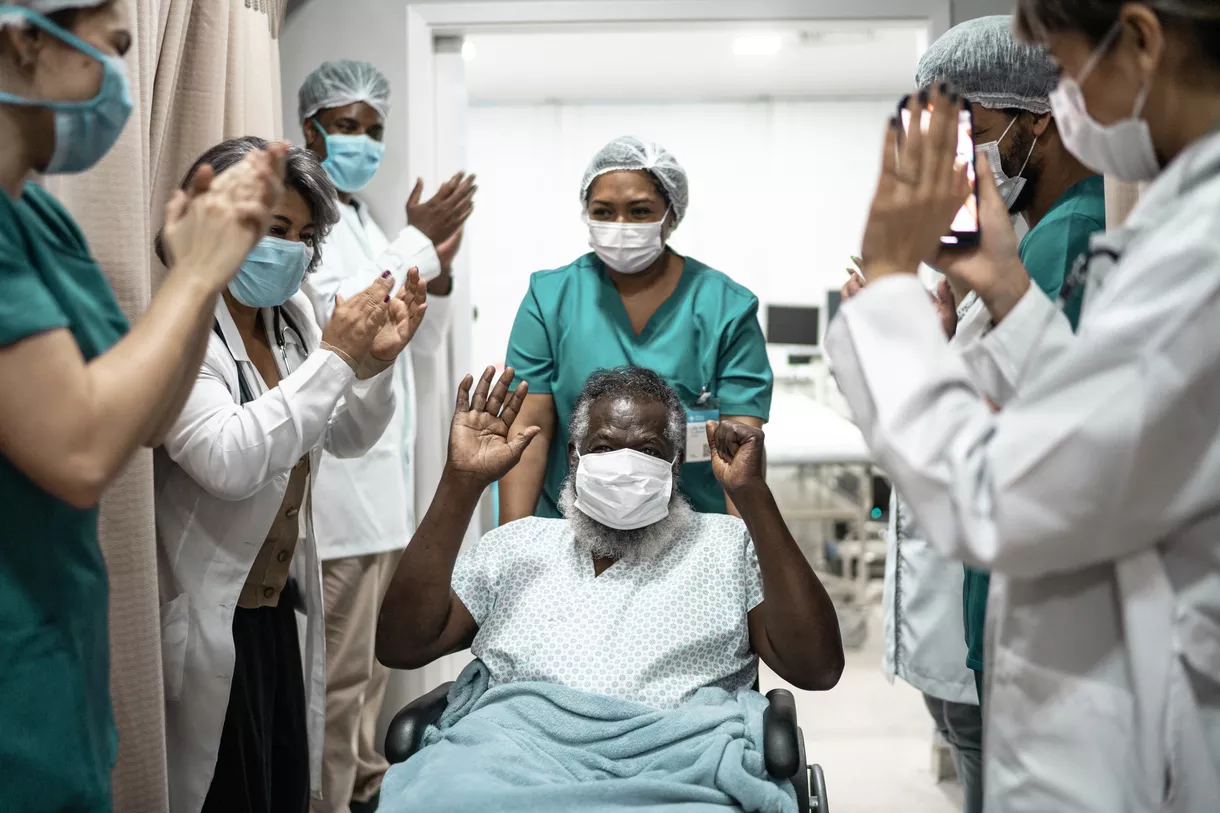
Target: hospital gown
{"x": 653, "y": 631}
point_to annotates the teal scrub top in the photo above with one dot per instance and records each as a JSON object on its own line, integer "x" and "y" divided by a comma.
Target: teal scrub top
{"x": 58, "y": 741}
{"x": 1048, "y": 252}
{"x": 705, "y": 337}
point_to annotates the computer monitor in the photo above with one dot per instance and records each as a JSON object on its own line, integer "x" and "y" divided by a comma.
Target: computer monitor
{"x": 788, "y": 324}
{"x": 833, "y": 300}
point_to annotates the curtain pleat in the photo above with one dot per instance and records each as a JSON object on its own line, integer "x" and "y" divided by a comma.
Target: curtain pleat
{"x": 200, "y": 72}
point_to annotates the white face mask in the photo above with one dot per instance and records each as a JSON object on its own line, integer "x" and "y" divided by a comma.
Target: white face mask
{"x": 1124, "y": 149}
{"x": 1010, "y": 188}
{"x": 624, "y": 490}
{"x": 628, "y": 248}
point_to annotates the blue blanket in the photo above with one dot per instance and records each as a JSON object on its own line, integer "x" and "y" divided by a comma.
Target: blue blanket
{"x": 536, "y": 747}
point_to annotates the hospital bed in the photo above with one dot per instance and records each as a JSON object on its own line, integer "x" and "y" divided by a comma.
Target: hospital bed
{"x": 783, "y": 742}
{"x": 808, "y": 435}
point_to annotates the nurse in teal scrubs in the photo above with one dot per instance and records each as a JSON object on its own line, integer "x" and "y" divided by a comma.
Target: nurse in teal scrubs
{"x": 633, "y": 300}
{"x": 79, "y": 391}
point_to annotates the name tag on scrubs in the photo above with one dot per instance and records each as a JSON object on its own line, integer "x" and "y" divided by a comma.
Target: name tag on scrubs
{"x": 697, "y": 449}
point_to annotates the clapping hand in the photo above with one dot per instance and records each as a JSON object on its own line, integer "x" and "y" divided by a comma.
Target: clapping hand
{"x": 738, "y": 456}
{"x": 479, "y": 446}
{"x": 405, "y": 312}
{"x": 356, "y": 322}
{"x": 444, "y": 213}
{"x": 211, "y": 225}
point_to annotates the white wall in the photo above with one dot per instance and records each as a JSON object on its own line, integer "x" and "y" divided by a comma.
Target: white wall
{"x": 779, "y": 193}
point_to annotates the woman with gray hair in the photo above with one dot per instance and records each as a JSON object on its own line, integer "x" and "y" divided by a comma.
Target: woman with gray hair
{"x": 633, "y": 301}
{"x": 233, "y": 480}
{"x": 80, "y": 389}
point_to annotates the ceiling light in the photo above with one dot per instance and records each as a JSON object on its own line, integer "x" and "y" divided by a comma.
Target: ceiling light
{"x": 469, "y": 52}
{"x": 758, "y": 45}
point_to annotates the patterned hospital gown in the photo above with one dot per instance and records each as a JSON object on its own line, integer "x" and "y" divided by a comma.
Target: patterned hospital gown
{"x": 653, "y": 632}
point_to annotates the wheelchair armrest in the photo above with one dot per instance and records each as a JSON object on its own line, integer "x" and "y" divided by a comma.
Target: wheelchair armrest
{"x": 781, "y": 737}
{"x": 406, "y": 731}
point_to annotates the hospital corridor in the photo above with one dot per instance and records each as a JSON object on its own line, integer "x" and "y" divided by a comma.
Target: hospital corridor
{"x": 605, "y": 406}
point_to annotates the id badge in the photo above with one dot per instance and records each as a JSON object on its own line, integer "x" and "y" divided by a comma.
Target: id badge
{"x": 697, "y": 448}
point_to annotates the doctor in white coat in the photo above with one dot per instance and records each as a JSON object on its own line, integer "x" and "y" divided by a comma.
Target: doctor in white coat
{"x": 236, "y": 552}
{"x": 365, "y": 515}
{"x": 1094, "y": 494}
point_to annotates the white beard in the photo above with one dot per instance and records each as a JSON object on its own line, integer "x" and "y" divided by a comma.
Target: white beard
{"x": 603, "y": 542}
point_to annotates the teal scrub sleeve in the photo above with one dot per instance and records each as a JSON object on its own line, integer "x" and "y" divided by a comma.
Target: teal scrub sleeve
{"x": 26, "y": 306}
{"x": 529, "y": 347}
{"x": 1051, "y": 251}
{"x": 745, "y": 381}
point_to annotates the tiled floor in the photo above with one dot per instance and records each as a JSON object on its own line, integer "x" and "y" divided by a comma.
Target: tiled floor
{"x": 873, "y": 740}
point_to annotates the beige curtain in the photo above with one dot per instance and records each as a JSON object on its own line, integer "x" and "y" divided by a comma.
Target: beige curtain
{"x": 1121, "y": 198}
{"x": 201, "y": 71}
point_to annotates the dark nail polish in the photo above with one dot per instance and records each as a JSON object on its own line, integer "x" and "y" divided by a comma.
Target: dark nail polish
{"x": 923, "y": 97}
{"x": 385, "y": 274}
{"x": 944, "y": 88}
{"x": 387, "y": 297}
{"x": 894, "y": 122}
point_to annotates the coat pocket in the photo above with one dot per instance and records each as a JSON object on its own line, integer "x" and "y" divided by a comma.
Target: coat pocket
{"x": 175, "y": 630}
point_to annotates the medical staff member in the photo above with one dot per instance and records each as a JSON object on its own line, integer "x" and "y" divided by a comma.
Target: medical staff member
{"x": 1091, "y": 495}
{"x": 365, "y": 515}
{"x": 1063, "y": 202}
{"x": 237, "y": 558}
{"x": 80, "y": 391}
{"x": 633, "y": 301}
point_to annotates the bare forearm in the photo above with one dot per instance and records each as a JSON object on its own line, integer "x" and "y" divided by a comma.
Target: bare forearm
{"x": 800, "y": 620}
{"x": 186, "y": 376}
{"x": 521, "y": 488}
{"x": 415, "y": 611}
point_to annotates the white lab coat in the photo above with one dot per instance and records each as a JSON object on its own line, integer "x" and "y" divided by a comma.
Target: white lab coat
{"x": 925, "y": 636}
{"x": 1094, "y": 497}
{"x": 221, "y": 476}
{"x": 365, "y": 505}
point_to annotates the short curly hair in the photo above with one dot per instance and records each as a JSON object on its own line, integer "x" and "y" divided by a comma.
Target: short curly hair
{"x": 629, "y": 382}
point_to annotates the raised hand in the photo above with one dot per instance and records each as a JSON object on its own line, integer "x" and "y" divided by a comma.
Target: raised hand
{"x": 738, "y": 456}
{"x": 211, "y": 226}
{"x": 921, "y": 188}
{"x": 404, "y": 316}
{"x": 445, "y": 212}
{"x": 355, "y": 322}
{"x": 479, "y": 446}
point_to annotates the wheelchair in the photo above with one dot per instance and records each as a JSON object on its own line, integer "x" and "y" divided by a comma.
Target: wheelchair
{"x": 783, "y": 742}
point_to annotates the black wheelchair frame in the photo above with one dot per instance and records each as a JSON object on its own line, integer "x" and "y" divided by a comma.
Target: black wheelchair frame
{"x": 783, "y": 742}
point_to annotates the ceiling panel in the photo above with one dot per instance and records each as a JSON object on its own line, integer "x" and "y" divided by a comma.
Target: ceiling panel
{"x": 709, "y": 62}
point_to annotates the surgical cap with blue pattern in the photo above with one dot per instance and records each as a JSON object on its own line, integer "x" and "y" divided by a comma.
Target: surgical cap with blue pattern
{"x": 983, "y": 60}
{"x": 634, "y": 154}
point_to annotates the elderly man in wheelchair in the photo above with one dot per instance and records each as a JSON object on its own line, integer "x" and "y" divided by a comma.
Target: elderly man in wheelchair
{"x": 617, "y": 648}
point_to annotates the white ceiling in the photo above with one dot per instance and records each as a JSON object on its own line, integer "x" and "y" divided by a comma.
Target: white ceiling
{"x": 694, "y": 63}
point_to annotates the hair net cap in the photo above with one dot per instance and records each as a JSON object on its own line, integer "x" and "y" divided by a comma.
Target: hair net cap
{"x": 633, "y": 154}
{"x": 985, "y": 62}
{"x": 343, "y": 82}
{"x": 45, "y": 7}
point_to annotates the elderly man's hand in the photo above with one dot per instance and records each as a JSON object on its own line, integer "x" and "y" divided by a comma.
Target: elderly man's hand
{"x": 738, "y": 458}
{"x": 479, "y": 446}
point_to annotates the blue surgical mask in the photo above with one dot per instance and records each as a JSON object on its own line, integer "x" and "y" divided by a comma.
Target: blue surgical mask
{"x": 351, "y": 160}
{"x": 84, "y": 131}
{"x": 271, "y": 274}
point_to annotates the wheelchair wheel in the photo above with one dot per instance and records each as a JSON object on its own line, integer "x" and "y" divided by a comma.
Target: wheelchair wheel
{"x": 817, "y": 790}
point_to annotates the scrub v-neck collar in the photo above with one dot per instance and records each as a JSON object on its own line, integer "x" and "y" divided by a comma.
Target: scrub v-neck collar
{"x": 619, "y": 311}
